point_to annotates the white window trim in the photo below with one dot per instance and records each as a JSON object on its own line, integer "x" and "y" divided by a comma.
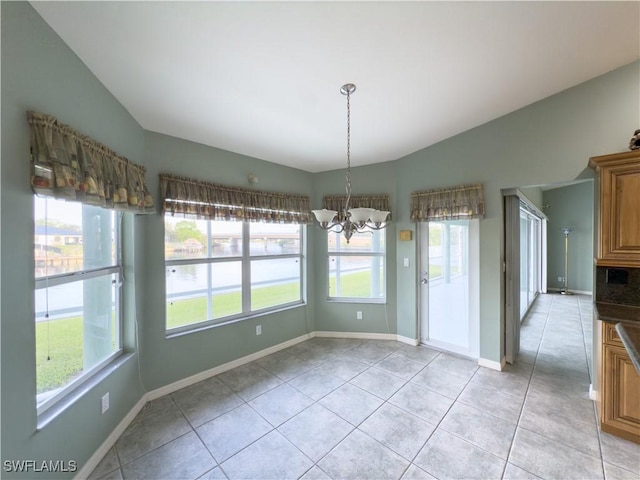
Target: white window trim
{"x": 245, "y": 259}
{"x": 341, "y": 253}
{"x": 78, "y": 276}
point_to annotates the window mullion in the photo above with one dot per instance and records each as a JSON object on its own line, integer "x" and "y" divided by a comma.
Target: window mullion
{"x": 246, "y": 268}
{"x": 209, "y": 272}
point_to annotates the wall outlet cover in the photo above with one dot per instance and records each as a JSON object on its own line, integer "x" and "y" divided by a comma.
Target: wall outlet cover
{"x": 105, "y": 402}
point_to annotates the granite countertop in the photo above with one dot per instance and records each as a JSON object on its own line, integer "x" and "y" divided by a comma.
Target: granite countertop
{"x": 615, "y": 312}
{"x": 629, "y": 333}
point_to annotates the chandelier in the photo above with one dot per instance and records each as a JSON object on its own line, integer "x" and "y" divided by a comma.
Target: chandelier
{"x": 353, "y": 219}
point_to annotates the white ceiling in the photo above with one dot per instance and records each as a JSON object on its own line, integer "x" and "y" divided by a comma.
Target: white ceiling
{"x": 263, "y": 78}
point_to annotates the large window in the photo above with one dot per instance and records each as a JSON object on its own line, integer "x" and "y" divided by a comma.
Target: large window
{"x": 77, "y": 297}
{"x": 223, "y": 270}
{"x": 357, "y": 268}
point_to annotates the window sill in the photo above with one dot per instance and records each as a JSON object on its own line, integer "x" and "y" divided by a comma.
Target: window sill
{"x": 46, "y": 417}
{"x": 202, "y": 326}
{"x": 368, "y": 301}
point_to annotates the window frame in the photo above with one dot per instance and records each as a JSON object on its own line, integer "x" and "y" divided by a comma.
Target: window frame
{"x": 339, "y": 253}
{"x": 68, "y": 278}
{"x": 245, "y": 260}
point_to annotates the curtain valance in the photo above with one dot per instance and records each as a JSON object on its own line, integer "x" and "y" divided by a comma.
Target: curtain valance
{"x": 463, "y": 202}
{"x": 378, "y": 202}
{"x": 218, "y": 202}
{"x": 68, "y": 165}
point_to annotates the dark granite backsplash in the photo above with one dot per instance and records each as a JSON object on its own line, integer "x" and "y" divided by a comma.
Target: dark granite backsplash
{"x": 626, "y": 293}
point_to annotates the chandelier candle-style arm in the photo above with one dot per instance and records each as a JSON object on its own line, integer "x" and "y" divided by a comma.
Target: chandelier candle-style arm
{"x": 355, "y": 219}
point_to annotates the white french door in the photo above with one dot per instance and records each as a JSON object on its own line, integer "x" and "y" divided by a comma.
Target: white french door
{"x": 449, "y": 285}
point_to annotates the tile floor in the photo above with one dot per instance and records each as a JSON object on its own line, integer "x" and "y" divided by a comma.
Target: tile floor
{"x": 352, "y": 409}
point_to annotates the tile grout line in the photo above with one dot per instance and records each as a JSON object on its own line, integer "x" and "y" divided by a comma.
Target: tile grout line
{"x": 595, "y": 408}
{"x": 535, "y": 360}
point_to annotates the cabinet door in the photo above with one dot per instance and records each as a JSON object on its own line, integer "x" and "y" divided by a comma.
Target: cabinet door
{"x": 621, "y": 394}
{"x": 620, "y": 214}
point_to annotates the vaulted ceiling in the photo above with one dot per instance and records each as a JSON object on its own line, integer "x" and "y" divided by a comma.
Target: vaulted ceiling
{"x": 263, "y": 78}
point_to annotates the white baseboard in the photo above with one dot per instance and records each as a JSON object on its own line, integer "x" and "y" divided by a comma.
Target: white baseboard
{"x": 99, "y": 454}
{"x": 579, "y": 292}
{"x": 357, "y": 335}
{"x": 492, "y": 364}
{"x": 367, "y": 336}
{"x": 409, "y": 341}
{"x": 212, "y": 372}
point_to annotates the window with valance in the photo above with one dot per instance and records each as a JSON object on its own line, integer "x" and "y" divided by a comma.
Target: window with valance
{"x": 458, "y": 203}
{"x": 357, "y": 270}
{"x": 71, "y": 166}
{"x": 81, "y": 188}
{"x": 211, "y": 201}
{"x": 230, "y": 252}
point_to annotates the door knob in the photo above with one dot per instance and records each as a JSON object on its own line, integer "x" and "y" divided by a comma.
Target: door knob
{"x": 424, "y": 281}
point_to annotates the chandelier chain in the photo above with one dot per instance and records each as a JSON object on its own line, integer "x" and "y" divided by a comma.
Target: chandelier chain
{"x": 348, "y": 173}
{"x": 353, "y": 220}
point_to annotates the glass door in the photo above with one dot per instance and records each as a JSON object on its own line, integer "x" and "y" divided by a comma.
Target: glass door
{"x": 530, "y": 258}
{"x": 449, "y": 285}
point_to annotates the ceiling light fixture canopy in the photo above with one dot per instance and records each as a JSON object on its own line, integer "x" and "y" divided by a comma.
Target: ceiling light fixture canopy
{"x": 354, "y": 219}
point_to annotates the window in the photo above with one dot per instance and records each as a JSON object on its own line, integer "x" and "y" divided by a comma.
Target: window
{"x": 77, "y": 298}
{"x": 223, "y": 270}
{"x": 357, "y": 268}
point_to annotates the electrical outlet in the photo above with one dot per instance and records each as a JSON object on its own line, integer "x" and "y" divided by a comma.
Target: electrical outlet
{"x": 258, "y": 329}
{"x": 358, "y": 315}
{"x": 105, "y": 402}
{"x": 561, "y": 279}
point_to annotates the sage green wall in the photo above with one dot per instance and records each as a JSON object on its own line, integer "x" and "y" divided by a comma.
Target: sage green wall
{"x": 533, "y": 194}
{"x": 39, "y": 72}
{"x": 570, "y": 206}
{"x": 340, "y": 316}
{"x": 547, "y": 142}
{"x": 167, "y": 360}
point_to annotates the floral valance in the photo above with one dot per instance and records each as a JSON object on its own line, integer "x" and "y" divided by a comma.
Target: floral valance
{"x": 200, "y": 199}
{"x": 336, "y": 202}
{"x": 463, "y": 202}
{"x": 68, "y": 165}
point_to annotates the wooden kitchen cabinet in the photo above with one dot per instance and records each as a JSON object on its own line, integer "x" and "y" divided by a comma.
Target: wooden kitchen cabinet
{"x": 619, "y": 209}
{"x": 619, "y": 408}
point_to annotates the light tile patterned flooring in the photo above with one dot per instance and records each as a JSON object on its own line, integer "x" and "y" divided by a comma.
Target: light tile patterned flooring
{"x": 352, "y": 409}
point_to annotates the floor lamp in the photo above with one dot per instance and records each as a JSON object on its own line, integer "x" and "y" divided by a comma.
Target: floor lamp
{"x": 565, "y": 287}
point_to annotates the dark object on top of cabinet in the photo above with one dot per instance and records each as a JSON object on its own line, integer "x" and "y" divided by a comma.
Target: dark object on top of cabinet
{"x": 634, "y": 144}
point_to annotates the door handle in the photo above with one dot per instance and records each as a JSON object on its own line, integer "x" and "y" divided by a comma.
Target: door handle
{"x": 424, "y": 281}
